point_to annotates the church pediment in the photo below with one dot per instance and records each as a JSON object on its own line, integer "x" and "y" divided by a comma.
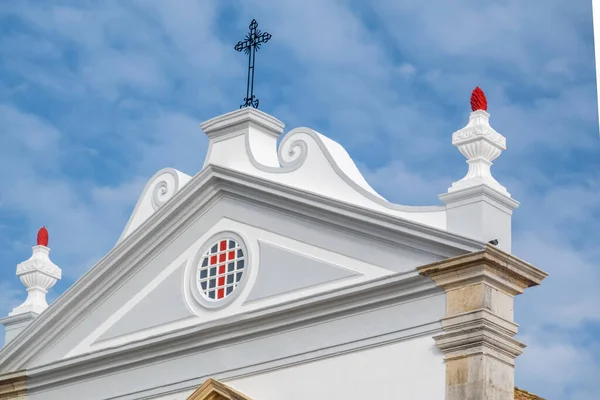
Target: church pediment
{"x": 277, "y": 265}
{"x": 142, "y": 288}
{"x": 215, "y": 390}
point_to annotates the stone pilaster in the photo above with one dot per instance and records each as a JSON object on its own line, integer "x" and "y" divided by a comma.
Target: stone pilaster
{"x": 13, "y": 386}
{"x": 478, "y": 340}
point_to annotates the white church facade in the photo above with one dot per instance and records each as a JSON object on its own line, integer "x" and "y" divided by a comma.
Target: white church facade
{"x": 276, "y": 272}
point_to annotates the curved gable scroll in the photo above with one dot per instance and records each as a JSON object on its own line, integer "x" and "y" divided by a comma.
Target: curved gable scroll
{"x": 246, "y": 140}
{"x": 159, "y": 189}
{"x": 313, "y": 162}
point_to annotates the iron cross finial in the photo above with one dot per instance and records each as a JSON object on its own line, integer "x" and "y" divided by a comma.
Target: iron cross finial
{"x": 254, "y": 39}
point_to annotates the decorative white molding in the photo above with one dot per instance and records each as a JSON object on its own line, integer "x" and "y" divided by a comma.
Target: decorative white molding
{"x": 192, "y": 200}
{"x": 226, "y": 134}
{"x": 227, "y": 123}
{"x": 477, "y": 205}
{"x": 331, "y": 305}
{"x": 14, "y": 324}
{"x": 159, "y": 189}
{"x": 477, "y": 194}
{"x": 481, "y": 145}
{"x": 38, "y": 274}
{"x": 191, "y": 281}
{"x": 246, "y": 140}
{"x": 364, "y": 270}
{"x": 164, "y": 188}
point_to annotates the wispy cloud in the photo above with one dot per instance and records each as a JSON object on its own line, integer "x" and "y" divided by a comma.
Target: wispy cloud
{"x": 96, "y": 97}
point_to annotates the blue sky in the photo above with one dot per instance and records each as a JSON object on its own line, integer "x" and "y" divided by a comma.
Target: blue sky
{"x": 95, "y": 97}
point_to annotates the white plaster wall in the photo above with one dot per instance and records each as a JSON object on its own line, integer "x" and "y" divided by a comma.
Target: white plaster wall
{"x": 355, "y": 350}
{"x": 412, "y": 369}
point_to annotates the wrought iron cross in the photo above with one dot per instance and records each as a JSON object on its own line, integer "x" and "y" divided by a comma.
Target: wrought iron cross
{"x": 250, "y": 46}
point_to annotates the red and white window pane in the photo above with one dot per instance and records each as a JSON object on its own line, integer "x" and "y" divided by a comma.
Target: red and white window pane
{"x": 221, "y": 269}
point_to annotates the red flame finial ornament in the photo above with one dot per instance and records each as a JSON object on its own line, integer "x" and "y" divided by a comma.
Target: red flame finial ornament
{"x": 478, "y": 100}
{"x": 42, "y": 237}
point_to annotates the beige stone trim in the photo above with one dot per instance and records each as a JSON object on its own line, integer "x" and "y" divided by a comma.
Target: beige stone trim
{"x": 525, "y": 395}
{"x": 13, "y": 386}
{"x": 478, "y": 339}
{"x": 501, "y": 268}
{"x": 215, "y": 390}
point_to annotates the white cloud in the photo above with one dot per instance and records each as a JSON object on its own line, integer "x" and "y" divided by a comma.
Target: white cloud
{"x": 97, "y": 98}
{"x": 558, "y": 369}
{"x": 28, "y": 134}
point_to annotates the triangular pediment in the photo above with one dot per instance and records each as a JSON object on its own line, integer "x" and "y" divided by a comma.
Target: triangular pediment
{"x": 215, "y": 390}
{"x": 324, "y": 246}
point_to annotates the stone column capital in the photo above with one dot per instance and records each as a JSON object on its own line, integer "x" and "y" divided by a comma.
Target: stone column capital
{"x": 491, "y": 266}
{"x": 478, "y": 328}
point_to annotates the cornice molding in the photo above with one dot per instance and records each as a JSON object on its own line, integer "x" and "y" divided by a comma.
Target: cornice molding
{"x": 359, "y": 219}
{"x": 494, "y": 266}
{"x": 336, "y": 303}
{"x": 17, "y": 318}
{"x": 235, "y": 120}
{"x": 479, "y": 331}
{"x": 473, "y": 194}
{"x": 188, "y": 204}
{"x": 113, "y": 270}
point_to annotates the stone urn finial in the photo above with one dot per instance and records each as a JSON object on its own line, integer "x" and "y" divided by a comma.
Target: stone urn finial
{"x": 481, "y": 145}
{"x": 38, "y": 274}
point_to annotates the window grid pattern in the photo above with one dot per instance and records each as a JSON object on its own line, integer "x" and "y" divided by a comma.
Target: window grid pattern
{"x": 221, "y": 269}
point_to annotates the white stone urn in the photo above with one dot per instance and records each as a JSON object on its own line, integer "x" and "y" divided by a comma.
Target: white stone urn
{"x": 481, "y": 145}
{"x": 38, "y": 274}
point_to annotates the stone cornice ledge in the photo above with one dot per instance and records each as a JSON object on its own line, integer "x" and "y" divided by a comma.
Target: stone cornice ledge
{"x": 479, "y": 318}
{"x": 491, "y": 265}
{"x": 336, "y": 303}
{"x": 13, "y": 385}
{"x": 479, "y": 331}
{"x": 478, "y": 339}
{"x": 461, "y": 340}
